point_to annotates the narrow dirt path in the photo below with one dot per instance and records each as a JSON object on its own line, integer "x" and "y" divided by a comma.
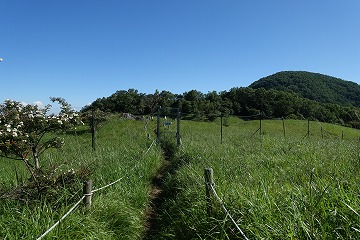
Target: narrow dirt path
{"x": 157, "y": 197}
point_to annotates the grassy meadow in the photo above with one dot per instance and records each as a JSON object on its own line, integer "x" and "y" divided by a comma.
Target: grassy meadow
{"x": 117, "y": 212}
{"x": 275, "y": 185}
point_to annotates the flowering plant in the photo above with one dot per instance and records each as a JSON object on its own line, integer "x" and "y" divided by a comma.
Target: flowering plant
{"x": 23, "y": 127}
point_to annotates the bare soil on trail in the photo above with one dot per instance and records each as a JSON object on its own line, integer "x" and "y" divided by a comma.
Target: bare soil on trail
{"x": 156, "y": 197}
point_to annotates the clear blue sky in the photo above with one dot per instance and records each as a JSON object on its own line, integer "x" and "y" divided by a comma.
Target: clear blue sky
{"x": 82, "y": 50}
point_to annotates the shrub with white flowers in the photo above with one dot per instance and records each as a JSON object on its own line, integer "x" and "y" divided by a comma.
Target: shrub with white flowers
{"x": 23, "y": 129}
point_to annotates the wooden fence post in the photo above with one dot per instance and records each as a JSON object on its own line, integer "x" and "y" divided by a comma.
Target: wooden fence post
{"x": 209, "y": 181}
{"x": 87, "y": 193}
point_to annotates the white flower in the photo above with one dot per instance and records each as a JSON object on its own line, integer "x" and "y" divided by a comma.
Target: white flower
{"x": 15, "y": 134}
{"x": 21, "y": 124}
{"x": 59, "y": 121}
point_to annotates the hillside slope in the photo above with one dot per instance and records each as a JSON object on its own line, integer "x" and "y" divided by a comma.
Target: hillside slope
{"x": 314, "y": 86}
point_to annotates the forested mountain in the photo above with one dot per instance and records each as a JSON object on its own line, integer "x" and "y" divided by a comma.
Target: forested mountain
{"x": 245, "y": 102}
{"x": 314, "y": 86}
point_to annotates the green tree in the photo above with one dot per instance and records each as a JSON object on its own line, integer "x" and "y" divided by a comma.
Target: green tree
{"x": 23, "y": 129}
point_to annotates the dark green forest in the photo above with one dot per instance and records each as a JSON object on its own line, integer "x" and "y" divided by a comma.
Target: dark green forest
{"x": 251, "y": 102}
{"x": 314, "y": 86}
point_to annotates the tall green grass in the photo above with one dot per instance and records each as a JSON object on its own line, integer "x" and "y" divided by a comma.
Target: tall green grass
{"x": 117, "y": 212}
{"x": 275, "y": 186}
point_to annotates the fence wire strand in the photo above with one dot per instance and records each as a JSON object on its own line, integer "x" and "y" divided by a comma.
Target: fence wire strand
{"x": 149, "y": 147}
{"x": 62, "y": 218}
{"x": 118, "y": 180}
{"x": 108, "y": 185}
{"x": 227, "y": 212}
{"x": 93, "y": 191}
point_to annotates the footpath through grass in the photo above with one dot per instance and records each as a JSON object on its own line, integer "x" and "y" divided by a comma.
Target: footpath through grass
{"x": 117, "y": 212}
{"x": 275, "y": 186}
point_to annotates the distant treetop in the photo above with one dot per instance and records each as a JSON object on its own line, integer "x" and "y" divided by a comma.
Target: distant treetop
{"x": 298, "y": 95}
{"x": 314, "y": 86}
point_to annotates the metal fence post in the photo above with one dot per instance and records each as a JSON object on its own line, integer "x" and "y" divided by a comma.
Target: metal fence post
{"x": 178, "y": 140}
{"x": 283, "y": 123}
{"x": 93, "y": 144}
{"x": 308, "y": 131}
{"x": 158, "y": 126}
{"x": 221, "y": 128}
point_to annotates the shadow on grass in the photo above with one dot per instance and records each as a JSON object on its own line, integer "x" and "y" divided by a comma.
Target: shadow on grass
{"x": 163, "y": 189}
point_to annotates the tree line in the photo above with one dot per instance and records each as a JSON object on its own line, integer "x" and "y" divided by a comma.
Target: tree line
{"x": 314, "y": 86}
{"x": 239, "y": 101}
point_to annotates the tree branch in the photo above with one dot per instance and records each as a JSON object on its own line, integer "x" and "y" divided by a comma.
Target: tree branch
{"x": 13, "y": 158}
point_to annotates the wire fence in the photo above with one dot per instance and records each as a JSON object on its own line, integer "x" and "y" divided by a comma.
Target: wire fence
{"x": 62, "y": 218}
{"x": 324, "y": 132}
{"x": 227, "y": 212}
{"x": 309, "y": 128}
{"x": 209, "y": 188}
{"x": 108, "y": 185}
{"x": 89, "y": 194}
